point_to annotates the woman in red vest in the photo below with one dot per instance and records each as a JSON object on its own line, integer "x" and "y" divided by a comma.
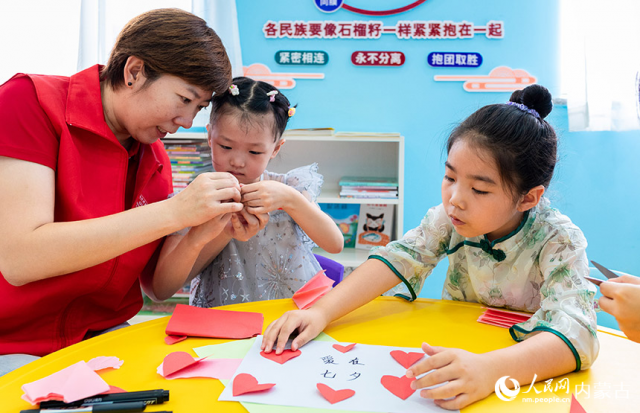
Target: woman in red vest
{"x": 85, "y": 182}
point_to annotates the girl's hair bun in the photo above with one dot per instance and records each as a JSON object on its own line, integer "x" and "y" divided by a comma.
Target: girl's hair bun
{"x": 535, "y": 97}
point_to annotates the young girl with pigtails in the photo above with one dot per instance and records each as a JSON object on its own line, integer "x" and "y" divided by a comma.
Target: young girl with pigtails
{"x": 507, "y": 248}
{"x": 264, "y": 251}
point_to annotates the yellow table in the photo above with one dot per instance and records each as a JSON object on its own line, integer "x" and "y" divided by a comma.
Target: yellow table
{"x": 385, "y": 321}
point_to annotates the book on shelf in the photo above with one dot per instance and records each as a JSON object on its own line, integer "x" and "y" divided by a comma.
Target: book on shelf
{"x": 188, "y": 159}
{"x": 369, "y": 181}
{"x": 375, "y": 224}
{"x": 368, "y": 187}
{"x": 346, "y": 218}
{"x": 309, "y": 132}
{"x": 367, "y": 135}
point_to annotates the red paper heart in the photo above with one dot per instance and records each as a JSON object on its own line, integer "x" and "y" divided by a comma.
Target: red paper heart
{"x": 334, "y": 396}
{"x": 406, "y": 360}
{"x": 246, "y": 383}
{"x": 400, "y": 386}
{"x": 177, "y": 361}
{"x": 282, "y": 358}
{"x": 343, "y": 349}
{"x": 174, "y": 339}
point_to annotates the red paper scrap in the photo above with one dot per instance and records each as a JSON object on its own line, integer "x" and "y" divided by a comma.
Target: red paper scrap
{"x": 406, "y": 360}
{"x": 203, "y": 322}
{"x": 344, "y": 349}
{"x": 174, "y": 339}
{"x": 102, "y": 363}
{"x": 75, "y": 382}
{"x": 281, "y": 358}
{"x": 576, "y": 407}
{"x": 114, "y": 390}
{"x": 399, "y": 386}
{"x": 311, "y": 292}
{"x": 334, "y": 396}
{"x": 246, "y": 383}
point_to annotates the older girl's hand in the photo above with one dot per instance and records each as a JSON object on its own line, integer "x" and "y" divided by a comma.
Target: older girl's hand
{"x": 463, "y": 377}
{"x": 621, "y": 299}
{"x": 244, "y": 225}
{"x": 209, "y": 195}
{"x": 307, "y": 323}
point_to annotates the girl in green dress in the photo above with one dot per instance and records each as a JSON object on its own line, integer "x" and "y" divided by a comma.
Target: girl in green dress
{"x": 506, "y": 247}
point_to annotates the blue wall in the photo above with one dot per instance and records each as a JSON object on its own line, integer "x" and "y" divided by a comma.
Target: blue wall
{"x": 596, "y": 182}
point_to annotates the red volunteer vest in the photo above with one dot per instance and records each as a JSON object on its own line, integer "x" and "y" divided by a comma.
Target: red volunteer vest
{"x": 45, "y": 316}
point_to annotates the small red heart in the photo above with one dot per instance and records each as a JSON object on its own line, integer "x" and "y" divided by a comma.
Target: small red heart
{"x": 400, "y": 386}
{"x": 177, "y": 361}
{"x": 174, "y": 339}
{"x": 334, "y": 396}
{"x": 344, "y": 349}
{"x": 246, "y": 383}
{"x": 281, "y": 358}
{"x": 406, "y": 360}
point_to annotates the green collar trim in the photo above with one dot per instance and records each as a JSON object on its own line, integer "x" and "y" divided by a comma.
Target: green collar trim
{"x": 487, "y": 246}
{"x": 404, "y": 280}
{"x": 521, "y": 330}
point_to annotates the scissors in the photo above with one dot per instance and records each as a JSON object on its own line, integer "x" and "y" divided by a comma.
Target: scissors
{"x": 607, "y": 273}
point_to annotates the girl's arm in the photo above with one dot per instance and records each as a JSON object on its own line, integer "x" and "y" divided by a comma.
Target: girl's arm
{"x": 34, "y": 247}
{"x": 185, "y": 256}
{"x": 472, "y": 377}
{"x": 364, "y": 284}
{"x": 266, "y": 196}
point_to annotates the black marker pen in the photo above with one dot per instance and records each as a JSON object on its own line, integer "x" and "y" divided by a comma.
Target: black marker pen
{"x": 133, "y": 407}
{"x": 148, "y": 396}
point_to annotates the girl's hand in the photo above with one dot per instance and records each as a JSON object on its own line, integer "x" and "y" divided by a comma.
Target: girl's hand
{"x": 209, "y": 195}
{"x": 209, "y": 230}
{"x": 266, "y": 196}
{"x": 308, "y": 323}
{"x": 621, "y": 299}
{"x": 244, "y": 225}
{"x": 470, "y": 376}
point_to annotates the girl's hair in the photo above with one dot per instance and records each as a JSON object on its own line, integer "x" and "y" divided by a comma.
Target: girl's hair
{"x": 250, "y": 98}
{"x": 173, "y": 42}
{"x": 522, "y": 143}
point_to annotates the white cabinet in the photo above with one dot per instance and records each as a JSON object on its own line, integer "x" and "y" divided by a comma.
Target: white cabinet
{"x": 337, "y": 157}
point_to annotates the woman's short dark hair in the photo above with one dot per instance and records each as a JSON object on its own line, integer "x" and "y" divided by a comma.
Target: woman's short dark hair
{"x": 523, "y": 145}
{"x": 173, "y": 42}
{"x": 252, "y": 99}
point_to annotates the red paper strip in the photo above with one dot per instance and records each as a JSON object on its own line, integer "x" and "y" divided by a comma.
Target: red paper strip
{"x": 174, "y": 339}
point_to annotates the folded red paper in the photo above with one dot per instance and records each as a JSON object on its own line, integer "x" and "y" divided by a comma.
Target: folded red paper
{"x": 502, "y": 318}
{"x": 204, "y": 322}
{"x": 311, "y": 292}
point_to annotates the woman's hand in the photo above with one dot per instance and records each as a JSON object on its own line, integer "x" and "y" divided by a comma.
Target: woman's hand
{"x": 209, "y": 195}
{"x": 308, "y": 324}
{"x": 621, "y": 299}
{"x": 266, "y": 196}
{"x": 244, "y": 225}
{"x": 467, "y": 377}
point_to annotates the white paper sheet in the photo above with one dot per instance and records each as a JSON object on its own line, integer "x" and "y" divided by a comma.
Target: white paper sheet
{"x": 359, "y": 369}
